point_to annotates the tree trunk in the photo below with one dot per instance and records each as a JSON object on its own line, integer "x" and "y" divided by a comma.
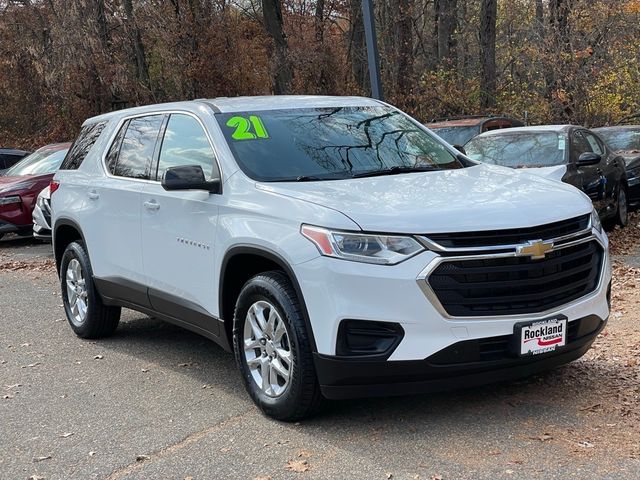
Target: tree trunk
{"x": 357, "y": 47}
{"x": 488, "y": 13}
{"x": 319, "y": 21}
{"x": 445, "y": 26}
{"x": 404, "y": 39}
{"x": 103, "y": 29}
{"x": 272, "y": 12}
{"x": 142, "y": 70}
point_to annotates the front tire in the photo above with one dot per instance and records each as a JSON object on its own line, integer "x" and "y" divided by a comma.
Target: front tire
{"x": 87, "y": 315}
{"x": 622, "y": 212}
{"x": 272, "y": 348}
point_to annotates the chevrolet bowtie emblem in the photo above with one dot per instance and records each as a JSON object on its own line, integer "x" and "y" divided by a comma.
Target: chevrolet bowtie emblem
{"x": 536, "y": 249}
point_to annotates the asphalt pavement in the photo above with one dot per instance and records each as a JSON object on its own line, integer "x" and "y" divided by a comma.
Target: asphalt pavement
{"x": 158, "y": 402}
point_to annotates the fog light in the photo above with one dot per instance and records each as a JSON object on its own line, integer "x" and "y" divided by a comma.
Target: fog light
{"x": 361, "y": 338}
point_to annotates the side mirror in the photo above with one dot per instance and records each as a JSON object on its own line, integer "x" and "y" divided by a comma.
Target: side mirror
{"x": 189, "y": 177}
{"x": 460, "y": 148}
{"x": 588, "y": 158}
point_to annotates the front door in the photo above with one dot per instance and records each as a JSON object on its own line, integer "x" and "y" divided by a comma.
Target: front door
{"x": 591, "y": 177}
{"x": 178, "y": 230}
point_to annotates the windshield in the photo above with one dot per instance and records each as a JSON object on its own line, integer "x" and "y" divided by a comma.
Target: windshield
{"x": 38, "y": 163}
{"x": 621, "y": 140}
{"x": 457, "y": 135}
{"x": 330, "y": 143}
{"x": 531, "y": 149}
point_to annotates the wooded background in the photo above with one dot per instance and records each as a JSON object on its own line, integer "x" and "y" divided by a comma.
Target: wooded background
{"x": 564, "y": 61}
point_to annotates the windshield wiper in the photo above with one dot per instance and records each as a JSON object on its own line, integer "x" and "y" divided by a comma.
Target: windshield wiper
{"x": 396, "y": 169}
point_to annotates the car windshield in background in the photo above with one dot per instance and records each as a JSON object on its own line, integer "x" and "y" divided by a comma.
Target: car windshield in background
{"x": 625, "y": 139}
{"x": 38, "y": 163}
{"x": 457, "y": 135}
{"x": 331, "y": 143}
{"x": 535, "y": 149}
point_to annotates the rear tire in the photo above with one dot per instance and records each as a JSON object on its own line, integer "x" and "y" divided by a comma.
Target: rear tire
{"x": 273, "y": 350}
{"x": 87, "y": 315}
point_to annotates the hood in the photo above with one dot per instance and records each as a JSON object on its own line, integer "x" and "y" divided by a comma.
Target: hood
{"x": 631, "y": 157}
{"x": 552, "y": 173}
{"x": 483, "y": 197}
{"x": 8, "y": 182}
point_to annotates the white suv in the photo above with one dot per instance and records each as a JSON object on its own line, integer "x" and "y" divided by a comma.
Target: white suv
{"x": 337, "y": 246}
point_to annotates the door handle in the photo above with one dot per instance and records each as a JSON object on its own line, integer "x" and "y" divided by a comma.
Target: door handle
{"x": 151, "y": 205}
{"x": 93, "y": 195}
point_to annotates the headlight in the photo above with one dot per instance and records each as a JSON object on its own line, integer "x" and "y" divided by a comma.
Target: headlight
{"x": 595, "y": 221}
{"x": 10, "y": 200}
{"x": 362, "y": 247}
{"x": 18, "y": 186}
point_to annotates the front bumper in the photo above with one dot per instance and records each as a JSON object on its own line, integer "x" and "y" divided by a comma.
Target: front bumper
{"x": 337, "y": 290}
{"x": 342, "y": 378}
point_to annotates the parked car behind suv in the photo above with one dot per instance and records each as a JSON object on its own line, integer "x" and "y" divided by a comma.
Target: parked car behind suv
{"x": 333, "y": 243}
{"x": 458, "y": 131}
{"x": 22, "y": 183}
{"x": 9, "y": 157}
{"x": 568, "y": 153}
{"x": 624, "y": 140}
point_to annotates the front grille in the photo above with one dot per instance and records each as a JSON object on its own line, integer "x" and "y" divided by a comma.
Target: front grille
{"x": 512, "y": 236}
{"x": 517, "y": 285}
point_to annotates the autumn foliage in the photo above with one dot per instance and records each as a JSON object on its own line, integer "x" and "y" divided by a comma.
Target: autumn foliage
{"x": 567, "y": 61}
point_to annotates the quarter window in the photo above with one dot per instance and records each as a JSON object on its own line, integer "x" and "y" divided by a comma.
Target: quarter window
{"x": 80, "y": 148}
{"x": 185, "y": 143}
{"x": 135, "y": 154}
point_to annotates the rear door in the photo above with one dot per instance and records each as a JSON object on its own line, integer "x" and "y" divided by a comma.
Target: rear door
{"x": 114, "y": 234}
{"x": 178, "y": 229}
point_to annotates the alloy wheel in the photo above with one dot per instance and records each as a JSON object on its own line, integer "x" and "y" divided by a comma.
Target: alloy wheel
{"x": 267, "y": 349}
{"x": 76, "y": 291}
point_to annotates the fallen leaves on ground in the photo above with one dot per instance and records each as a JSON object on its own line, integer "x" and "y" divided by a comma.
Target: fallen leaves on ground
{"x": 299, "y": 466}
{"x": 37, "y": 266}
{"x": 624, "y": 241}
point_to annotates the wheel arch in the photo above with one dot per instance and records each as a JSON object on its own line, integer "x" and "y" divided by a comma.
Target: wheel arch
{"x": 239, "y": 264}
{"x": 64, "y": 232}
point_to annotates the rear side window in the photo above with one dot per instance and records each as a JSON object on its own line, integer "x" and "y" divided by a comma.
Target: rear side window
{"x": 186, "y": 143}
{"x": 80, "y": 148}
{"x": 132, "y": 155}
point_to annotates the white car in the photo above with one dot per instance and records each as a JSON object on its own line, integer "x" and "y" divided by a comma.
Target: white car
{"x": 334, "y": 244}
{"x": 42, "y": 216}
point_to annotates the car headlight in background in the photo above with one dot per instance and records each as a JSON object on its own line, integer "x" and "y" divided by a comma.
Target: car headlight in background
{"x": 18, "y": 186}
{"x": 10, "y": 200}
{"x": 362, "y": 247}
{"x": 595, "y": 221}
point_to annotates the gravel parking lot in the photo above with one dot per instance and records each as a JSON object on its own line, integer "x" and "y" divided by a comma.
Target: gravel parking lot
{"x": 156, "y": 401}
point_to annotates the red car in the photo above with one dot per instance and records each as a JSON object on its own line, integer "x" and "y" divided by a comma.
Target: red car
{"x": 21, "y": 184}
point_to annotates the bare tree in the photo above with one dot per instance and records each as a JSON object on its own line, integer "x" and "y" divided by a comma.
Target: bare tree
{"x": 488, "y": 14}
{"x": 142, "y": 70}
{"x": 272, "y": 11}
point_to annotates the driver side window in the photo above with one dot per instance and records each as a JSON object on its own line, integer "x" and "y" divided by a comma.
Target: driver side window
{"x": 185, "y": 143}
{"x": 594, "y": 143}
{"x": 579, "y": 145}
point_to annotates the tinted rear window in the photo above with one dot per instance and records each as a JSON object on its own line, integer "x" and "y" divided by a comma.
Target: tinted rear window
{"x": 136, "y": 150}
{"x": 80, "y": 148}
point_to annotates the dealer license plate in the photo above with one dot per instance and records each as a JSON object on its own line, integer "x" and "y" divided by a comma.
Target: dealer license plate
{"x": 542, "y": 336}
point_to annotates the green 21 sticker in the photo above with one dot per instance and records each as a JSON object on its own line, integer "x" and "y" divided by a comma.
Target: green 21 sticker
{"x": 243, "y": 127}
